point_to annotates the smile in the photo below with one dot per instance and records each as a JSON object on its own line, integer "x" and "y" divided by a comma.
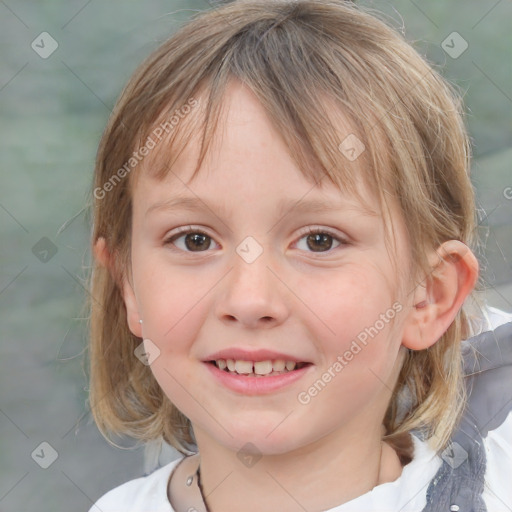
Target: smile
{"x": 243, "y": 377}
{"x": 266, "y": 368}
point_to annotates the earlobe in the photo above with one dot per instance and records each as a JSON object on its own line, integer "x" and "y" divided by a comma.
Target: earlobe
{"x": 439, "y": 298}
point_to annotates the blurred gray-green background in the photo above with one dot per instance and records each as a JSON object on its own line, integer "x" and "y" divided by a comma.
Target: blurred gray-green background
{"x": 52, "y": 113}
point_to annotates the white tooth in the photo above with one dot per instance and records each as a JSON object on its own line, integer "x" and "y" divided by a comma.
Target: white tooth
{"x": 262, "y": 367}
{"x": 279, "y": 365}
{"x": 231, "y": 365}
{"x": 221, "y": 364}
{"x": 290, "y": 365}
{"x": 243, "y": 366}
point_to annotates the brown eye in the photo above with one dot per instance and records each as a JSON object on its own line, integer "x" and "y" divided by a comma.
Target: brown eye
{"x": 191, "y": 241}
{"x": 197, "y": 241}
{"x": 321, "y": 241}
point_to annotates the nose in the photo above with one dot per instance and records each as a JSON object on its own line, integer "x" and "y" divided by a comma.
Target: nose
{"x": 252, "y": 295}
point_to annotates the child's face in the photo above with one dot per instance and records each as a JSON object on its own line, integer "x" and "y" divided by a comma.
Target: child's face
{"x": 316, "y": 299}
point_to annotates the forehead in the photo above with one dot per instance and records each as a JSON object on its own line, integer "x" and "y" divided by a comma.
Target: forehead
{"x": 247, "y": 156}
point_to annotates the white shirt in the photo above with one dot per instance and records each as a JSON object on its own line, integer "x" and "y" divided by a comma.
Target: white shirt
{"x": 406, "y": 494}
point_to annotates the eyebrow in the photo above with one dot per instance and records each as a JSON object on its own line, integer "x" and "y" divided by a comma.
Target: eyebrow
{"x": 285, "y": 206}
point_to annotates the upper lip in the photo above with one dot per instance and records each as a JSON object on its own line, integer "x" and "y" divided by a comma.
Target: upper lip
{"x": 240, "y": 354}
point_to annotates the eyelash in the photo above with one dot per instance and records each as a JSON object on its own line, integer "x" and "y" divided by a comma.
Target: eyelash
{"x": 307, "y": 232}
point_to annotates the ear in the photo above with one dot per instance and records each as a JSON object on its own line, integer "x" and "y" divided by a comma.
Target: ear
{"x": 132, "y": 309}
{"x": 439, "y": 298}
{"x": 104, "y": 258}
{"x": 101, "y": 252}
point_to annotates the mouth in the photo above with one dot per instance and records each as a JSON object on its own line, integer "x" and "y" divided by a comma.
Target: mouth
{"x": 268, "y": 368}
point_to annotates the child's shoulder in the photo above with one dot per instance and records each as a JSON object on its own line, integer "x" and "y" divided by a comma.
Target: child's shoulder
{"x": 144, "y": 494}
{"x": 488, "y": 370}
{"x": 478, "y": 461}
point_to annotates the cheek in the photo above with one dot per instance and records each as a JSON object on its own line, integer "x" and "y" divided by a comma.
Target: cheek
{"x": 172, "y": 302}
{"x": 359, "y": 357}
{"x": 174, "y": 305}
{"x": 351, "y": 301}
{"x": 359, "y": 333}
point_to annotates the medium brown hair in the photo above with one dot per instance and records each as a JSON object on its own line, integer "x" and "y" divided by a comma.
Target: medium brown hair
{"x": 300, "y": 58}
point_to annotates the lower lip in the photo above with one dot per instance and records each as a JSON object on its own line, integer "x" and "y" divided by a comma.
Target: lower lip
{"x": 257, "y": 385}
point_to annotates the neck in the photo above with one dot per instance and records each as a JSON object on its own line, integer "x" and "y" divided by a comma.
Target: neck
{"x": 318, "y": 477}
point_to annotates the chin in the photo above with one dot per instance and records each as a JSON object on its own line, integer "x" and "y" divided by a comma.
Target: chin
{"x": 262, "y": 438}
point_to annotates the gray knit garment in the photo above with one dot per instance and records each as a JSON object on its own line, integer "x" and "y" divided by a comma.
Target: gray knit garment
{"x": 459, "y": 483}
